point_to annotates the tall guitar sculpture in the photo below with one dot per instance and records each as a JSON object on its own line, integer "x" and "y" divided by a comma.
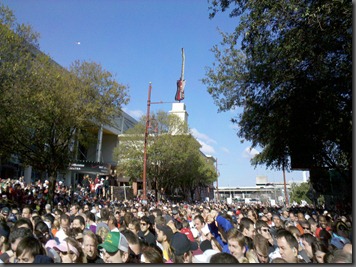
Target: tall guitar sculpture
{"x": 181, "y": 82}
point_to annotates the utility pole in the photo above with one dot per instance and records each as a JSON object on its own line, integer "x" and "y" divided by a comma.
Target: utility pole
{"x": 285, "y": 187}
{"x": 217, "y": 181}
{"x": 144, "y": 185}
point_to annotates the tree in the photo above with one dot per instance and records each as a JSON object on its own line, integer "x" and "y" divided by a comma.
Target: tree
{"x": 299, "y": 193}
{"x": 46, "y": 110}
{"x": 174, "y": 161}
{"x": 292, "y": 78}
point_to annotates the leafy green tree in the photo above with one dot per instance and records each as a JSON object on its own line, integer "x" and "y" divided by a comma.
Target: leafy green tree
{"x": 46, "y": 110}
{"x": 299, "y": 192}
{"x": 291, "y": 75}
{"x": 174, "y": 161}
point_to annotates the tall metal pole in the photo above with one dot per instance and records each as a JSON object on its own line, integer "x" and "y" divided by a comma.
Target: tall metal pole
{"x": 285, "y": 187}
{"x": 144, "y": 197}
{"x": 217, "y": 181}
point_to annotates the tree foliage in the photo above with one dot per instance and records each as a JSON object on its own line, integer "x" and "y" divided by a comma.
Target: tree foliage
{"x": 46, "y": 110}
{"x": 288, "y": 65}
{"x": 174, "y": 161}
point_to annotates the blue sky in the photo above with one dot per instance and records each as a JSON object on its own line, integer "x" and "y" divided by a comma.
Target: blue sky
{"x": 140, "y": 41}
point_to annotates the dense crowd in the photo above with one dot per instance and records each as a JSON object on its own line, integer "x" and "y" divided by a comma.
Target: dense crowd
{"x": 93, "y": 227}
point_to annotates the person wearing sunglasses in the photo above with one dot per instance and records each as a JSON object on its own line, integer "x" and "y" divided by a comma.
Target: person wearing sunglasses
{"x": 263, "y": 229}
{"x": 70, "y": 251}
{"x": 145, "y": 233}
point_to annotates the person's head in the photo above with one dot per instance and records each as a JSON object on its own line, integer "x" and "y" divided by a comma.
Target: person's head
{"x": 347, "y": 248}
{"x": 134, "y": 225}
{"x": 325, "y": 237}
{"x": 262, "y": 228}
{"x": 145, "y": 224}
{"x": 288, "y": 246}
{"x": 223, "y": 257}
{"x": 182, "y": 248}
{"x": 26, "y": 212}
{"x": 57, "y": 214}
{"x": 64, "y": 222}
{"x": 260, "y": 247}
{"x": 340, "y": 256}
{"x": 23, "y": 223}
{"x": 104, "y": 214}
{"x": 277, "y": 221}
{"x": 28, "y": 248}
{"x": 70, "y": 251}
{"x": 78, "y": 223}
{"x": 247, "y": 227}
{"x": 252, "y": 215}
{"x": 322, "y": 221}
{"x": 90, "y": 245}
{"x": 87, "y": 207}
{"x": 112, "y": 222}
{"x": 307, "y": 240}
{"x": 313, "y": 225}
{"x": 301, "y": 216}
{"x": 74, "y": 209}
{"x": 319, "y": 250}
{"x": 115, "y": 248}
{"x": 17, "y": 235}
{"x": 42, "y": 232}
{"x": 306, "y": 226}
{"x": 133, "y": 240}
{"x": 102, "y": 231}
{"x": 215, "y": 244}
{"x": 236, "y": 243}
{"x": 164, "y": 233}
{"x": 152, "y": 254}
{"x": 199, "y": 222}
{"x": 278, "y": 260}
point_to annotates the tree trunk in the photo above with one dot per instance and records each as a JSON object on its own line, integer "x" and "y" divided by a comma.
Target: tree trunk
{"x": 51, "y": 187}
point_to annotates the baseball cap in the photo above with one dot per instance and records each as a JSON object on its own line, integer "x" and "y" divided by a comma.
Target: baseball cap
{"x": 174, "y": 211}
{"x": 115, "y": 241}
{"x": 181, "y": 244}
{"x": 166, "y": 230}
{"x": 5, "y": 210}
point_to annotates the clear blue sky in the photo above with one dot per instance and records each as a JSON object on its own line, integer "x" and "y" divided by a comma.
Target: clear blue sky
{"x": 140, "y": 41}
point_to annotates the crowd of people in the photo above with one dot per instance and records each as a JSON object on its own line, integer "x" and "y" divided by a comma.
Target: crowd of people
{"x": 88, "y": 229}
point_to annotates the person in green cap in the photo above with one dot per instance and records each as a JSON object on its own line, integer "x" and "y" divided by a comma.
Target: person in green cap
{"x": 115, "y": 248}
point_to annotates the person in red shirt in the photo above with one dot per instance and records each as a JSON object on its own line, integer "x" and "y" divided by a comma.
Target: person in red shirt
{"x": 322, "y": 225}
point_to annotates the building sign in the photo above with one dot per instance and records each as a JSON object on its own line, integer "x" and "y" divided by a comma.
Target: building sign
{"x": 90, "y": 167}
